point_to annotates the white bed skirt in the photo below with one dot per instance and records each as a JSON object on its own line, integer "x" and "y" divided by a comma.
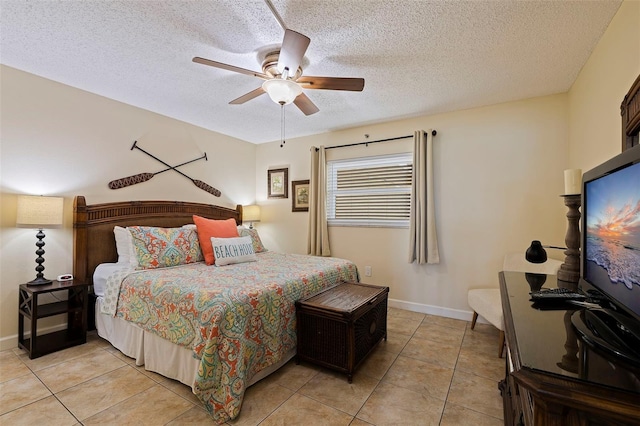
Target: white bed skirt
{"x": 157, "y": 354}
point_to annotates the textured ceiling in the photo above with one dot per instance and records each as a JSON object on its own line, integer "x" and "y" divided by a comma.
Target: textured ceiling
{"x": 417, "y": 57}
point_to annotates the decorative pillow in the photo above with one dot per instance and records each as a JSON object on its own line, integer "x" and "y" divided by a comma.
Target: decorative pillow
{"x": 232, "y": 250}
{"x": 124, "y": 247}
{"x": 164, "y": 247}
{"x": 258, "y": 247}
{"x": 194, "y": 234}
{"x": 207, "y": 228}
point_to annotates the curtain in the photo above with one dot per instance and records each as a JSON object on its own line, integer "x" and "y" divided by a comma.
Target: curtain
{"x": 423, "y": 243}
{"x": 318, "y": 240}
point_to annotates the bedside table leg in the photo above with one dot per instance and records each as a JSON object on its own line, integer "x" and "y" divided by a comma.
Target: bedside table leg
{"x": 20, "y": 329}
{"x": 34, "y": 323}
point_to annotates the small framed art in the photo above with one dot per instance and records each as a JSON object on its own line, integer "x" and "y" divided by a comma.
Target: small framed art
{"x": 278, "y": 183}
{"x": 300, "y": 198}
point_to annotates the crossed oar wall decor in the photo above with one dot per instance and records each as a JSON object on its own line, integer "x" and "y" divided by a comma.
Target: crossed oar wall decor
{"x": 143, "y": 177}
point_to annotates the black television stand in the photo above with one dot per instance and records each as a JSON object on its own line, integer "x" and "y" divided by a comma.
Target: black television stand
{"x": 610, "y": 331}
{"x": 553, "y": 376}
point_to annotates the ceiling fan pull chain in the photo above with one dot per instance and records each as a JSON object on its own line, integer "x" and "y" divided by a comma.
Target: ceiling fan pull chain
{"x": 282, "y": 141}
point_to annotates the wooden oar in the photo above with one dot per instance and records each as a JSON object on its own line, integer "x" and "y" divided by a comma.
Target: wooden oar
{"x": 143, "y": 177}
{"x": 200, "y": 184}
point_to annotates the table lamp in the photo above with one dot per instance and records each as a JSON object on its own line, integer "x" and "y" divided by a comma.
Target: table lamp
{"x": 536, "y": 253}
{"x": 251, "y": 214}
{"x": 39, "y": 212}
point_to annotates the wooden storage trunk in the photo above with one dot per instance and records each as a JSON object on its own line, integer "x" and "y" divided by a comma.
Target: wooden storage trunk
{"x": 338, "y": 327}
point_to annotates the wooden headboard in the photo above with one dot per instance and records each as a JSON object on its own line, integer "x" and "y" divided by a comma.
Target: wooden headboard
{"x": 93, "y": 239}
{"x": 630, "y": 110}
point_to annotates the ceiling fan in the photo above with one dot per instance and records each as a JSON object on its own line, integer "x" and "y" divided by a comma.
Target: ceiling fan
{"x": 282, "y": 73}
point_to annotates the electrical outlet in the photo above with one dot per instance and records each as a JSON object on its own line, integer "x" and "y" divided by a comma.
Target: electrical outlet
{"x": 367, "y": 271}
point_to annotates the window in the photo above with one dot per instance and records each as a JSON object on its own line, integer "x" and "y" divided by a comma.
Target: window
{"x": 370, "y": 191}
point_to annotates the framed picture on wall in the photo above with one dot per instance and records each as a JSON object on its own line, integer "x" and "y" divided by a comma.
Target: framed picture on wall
{"x": 300, "y": 198}
{"x": 278, "y": 183}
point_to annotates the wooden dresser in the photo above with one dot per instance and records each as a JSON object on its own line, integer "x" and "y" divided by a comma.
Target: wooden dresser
{"x": 630, "y": 112}
{"x": 552, "y": 377}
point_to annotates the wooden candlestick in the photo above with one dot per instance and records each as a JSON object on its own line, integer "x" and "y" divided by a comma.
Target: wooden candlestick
{"x": 570, "y": 361}
{"x": 570, "y": 269}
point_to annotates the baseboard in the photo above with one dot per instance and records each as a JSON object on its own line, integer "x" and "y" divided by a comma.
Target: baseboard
{"x": 11, "y": 342}
{"x": 434, "y": 310}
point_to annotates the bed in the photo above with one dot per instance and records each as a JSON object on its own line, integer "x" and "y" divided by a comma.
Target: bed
{"x": 215, "y": 329}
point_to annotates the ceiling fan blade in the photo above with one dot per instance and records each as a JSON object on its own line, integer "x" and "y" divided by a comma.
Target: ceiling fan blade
{"x": 303, "y": 102}
{"x": 294, "y": 45}
{"x": 248, "y": 96}
{"x": 275, "y": 14}
{"x": 332, "y": 83}
{"x": 228, "y": 67}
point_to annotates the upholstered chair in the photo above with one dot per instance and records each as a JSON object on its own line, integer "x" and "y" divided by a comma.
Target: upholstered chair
{"x": 487, "y": 303}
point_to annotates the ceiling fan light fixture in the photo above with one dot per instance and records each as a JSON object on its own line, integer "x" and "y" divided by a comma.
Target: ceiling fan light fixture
{"x": 281, "y": 91}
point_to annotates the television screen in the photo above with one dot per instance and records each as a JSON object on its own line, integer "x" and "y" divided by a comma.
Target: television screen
{"x": 611, "y": 225}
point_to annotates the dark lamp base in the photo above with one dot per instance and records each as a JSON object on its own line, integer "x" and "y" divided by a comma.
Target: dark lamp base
{"x": 40, "y": 281}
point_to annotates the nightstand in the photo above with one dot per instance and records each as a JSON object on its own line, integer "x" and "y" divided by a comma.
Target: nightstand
{"x": 75, "y": 307}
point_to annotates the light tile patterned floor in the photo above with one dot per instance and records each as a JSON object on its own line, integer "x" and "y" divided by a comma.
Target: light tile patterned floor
{"x": 430, "y": 371}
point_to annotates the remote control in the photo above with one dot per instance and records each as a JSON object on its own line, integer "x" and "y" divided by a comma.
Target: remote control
{"x": 556, "y": 294}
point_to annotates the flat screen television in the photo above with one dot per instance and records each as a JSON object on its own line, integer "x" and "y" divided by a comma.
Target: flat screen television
{"x": 610, "y": 260}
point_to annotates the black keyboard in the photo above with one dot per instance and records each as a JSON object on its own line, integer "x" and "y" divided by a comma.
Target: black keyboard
{"x": 556, "y": 294}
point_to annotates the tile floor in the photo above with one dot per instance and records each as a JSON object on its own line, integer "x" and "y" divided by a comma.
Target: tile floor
{"x": 431, "y": 371}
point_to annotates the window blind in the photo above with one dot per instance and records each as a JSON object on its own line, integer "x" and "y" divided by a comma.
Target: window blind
{"x": 370, "y": 191}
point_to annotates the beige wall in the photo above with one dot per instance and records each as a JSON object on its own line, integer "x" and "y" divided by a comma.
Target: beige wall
{"x": 499, "y": 171}
{"x": 595, "y": 133}
{"x": 57, "y": 140}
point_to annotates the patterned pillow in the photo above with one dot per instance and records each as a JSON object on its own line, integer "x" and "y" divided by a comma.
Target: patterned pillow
{"x": 258, "y": 247}
{"x": 232, "y": 250}
{"x": 164, "y": 247}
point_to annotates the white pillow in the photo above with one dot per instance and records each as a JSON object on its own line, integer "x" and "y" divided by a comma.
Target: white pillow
{"x": 232, "y": 250}
{"x": 124, "y": 246}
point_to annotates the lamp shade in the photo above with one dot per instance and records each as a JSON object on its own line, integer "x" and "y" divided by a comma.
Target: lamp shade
{"x": 281, "y": 91}
{"x": 251, "y": 213}
{"x": 536, "y": 253}
{"x": 39, "y": 212}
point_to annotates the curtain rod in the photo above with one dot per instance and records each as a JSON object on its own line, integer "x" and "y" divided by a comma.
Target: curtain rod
{"x": 433, "y": 133}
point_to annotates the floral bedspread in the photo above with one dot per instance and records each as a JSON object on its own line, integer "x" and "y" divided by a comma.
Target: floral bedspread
{"x": 238, "y": 319}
